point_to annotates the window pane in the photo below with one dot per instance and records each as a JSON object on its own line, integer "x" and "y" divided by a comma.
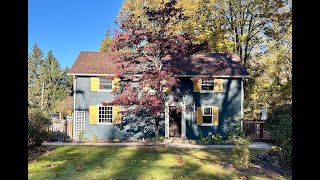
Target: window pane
{"x": 207, "y": 119}
{"x": 105, "y": 84}
{"x": 105, "y": 114}
{"x": 207, "y": 85}
{"x": 207, "y": 111}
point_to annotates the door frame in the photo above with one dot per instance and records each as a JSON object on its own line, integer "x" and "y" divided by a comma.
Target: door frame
{"x": 183, "y": 120}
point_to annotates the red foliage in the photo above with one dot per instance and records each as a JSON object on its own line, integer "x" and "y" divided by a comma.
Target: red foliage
{"x": 155, "y": 55}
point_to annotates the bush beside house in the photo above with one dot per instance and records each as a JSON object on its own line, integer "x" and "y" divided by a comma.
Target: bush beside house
{"x": 37, "y": 127}
{"x": 279, "y": 124}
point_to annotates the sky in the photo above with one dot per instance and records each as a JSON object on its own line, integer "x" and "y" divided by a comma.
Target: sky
{"x": 68, "y": 27}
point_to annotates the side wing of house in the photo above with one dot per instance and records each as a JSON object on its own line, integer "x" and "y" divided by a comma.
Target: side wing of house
{"x": 211, "y": 109}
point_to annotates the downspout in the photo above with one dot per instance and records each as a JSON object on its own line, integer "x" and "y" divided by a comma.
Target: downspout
{"x": 242, "y": 99}
{"x": 74, "y": 107}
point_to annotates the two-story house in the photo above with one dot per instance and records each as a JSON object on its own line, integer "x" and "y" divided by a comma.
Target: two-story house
{"x": 205, "y": 104}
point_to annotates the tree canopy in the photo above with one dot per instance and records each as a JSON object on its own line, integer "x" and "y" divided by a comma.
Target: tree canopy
{"x": 47, "y": 70}
{"x": 258, "y": 31}
{"x": 152, "y": 47}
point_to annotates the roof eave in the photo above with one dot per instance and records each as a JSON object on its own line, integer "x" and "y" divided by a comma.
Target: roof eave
{"x": 180, "y": 75}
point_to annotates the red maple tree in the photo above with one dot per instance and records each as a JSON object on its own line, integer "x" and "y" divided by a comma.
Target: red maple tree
{"x": 155, "y": 55}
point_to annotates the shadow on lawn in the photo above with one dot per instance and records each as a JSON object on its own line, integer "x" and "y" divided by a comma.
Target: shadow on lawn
{"x": 105, "y": 162}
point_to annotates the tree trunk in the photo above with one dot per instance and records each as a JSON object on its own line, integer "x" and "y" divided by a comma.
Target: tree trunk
{"x": 157, "y": 131}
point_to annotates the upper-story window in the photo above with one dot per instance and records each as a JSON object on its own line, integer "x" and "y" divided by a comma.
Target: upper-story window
{"x": 105, "y": 84}
{"x": 207, "y": 85}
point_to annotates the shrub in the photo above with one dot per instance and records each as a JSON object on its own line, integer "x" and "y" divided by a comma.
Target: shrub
{"x": 38, "y": 124}
{"x": 94, "y": 138}
{"x": 81, "y": 135}
{"x": 279, "y": 125}
{"x": 161, "y": 138}
{"x": 240, "y": 153}
{"x": 204, "y": 141}
{"x": 217, "y": 139}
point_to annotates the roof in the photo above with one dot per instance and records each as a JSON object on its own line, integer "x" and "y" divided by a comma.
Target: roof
{"x": 95, "y": 63}
{"x": 215, "y": 64}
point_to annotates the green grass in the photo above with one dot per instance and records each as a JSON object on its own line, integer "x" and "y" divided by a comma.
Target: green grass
{"x": 103, "y": 162}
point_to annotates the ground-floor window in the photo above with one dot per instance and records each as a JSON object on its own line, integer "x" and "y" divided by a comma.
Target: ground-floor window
{"x": 105, "y": 114}
{"x": 207, "y": 115}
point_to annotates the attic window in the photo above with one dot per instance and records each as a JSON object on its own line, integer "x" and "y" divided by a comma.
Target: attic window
{"x": 105, "y": 84}
{"x": 207, "y": 85}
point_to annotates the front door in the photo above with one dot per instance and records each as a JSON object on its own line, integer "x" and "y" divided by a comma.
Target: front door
{"x": 174, "y": 122}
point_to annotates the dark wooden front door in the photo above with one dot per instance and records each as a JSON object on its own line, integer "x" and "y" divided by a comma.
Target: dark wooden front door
{"x": 174, "y": 122}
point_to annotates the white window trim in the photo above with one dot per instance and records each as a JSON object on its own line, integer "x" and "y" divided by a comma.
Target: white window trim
{"x": 104, "y": 90}
{"x": 202, "y": 109}
{"x": 206, "y": 91}
{"x": 105, "y": 123}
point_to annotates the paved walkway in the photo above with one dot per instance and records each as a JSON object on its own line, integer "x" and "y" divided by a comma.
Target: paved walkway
{"x": 254, "y": 145}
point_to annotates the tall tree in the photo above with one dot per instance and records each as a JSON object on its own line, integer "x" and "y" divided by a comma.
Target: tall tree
{"x": 105, "y": 43}
{"x": 35, "y": 59}
{"x": 55, "y": 81}
{"x": 240, "y": 26}
{"x": 133, "y": 10}
{"x": 271, "y": 82}
{"x": 153, "y": 48}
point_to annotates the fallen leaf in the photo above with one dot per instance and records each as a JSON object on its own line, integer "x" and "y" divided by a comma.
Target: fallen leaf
{"x": 48, "y": 165}
{"x": 78, "y": 169}
{"x": 101, "y": 164}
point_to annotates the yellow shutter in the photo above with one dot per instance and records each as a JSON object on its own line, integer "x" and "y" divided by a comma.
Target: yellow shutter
{"x": 215, "y": 117}
{"x": 218, "y": 85}
{"x": 117, "y": 114}
{"x": 196, "y": 85}
{"x": 116, "y": 84}
{"x": 199, "y": 116}
{"x": 94, "y": 84}
{"x": 93, "y": 114}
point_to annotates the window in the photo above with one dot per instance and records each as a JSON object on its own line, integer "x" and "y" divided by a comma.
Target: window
{"x": 207, "y": 85}
{"x": 207, "y": 115}
{"x": 105, "y": 114}
{"x": 105, "y": 84}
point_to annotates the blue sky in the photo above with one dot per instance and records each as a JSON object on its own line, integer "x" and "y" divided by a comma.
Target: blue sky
{"x": 70, "y": 26}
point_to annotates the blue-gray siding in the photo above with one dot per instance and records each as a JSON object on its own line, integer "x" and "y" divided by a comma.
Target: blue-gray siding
{"x": 229, "y": 103}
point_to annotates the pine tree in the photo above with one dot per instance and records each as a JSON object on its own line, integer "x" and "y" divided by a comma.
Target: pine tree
{"x": 105, "y": 44}
{"x": 55, "y": 83}
{"x": 35, "y": 59}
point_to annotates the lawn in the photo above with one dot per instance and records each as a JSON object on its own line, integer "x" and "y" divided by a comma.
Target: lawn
{"x": 103, "y": 162}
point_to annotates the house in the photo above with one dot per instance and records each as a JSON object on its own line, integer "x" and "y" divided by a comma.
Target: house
{"x": 206, "y": 104}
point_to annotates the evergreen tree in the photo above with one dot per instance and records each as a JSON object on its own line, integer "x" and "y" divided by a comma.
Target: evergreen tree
{"x": 105, "y": 44}
{"x": 35, "y": 59}
{"x": 55, "y": 83}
